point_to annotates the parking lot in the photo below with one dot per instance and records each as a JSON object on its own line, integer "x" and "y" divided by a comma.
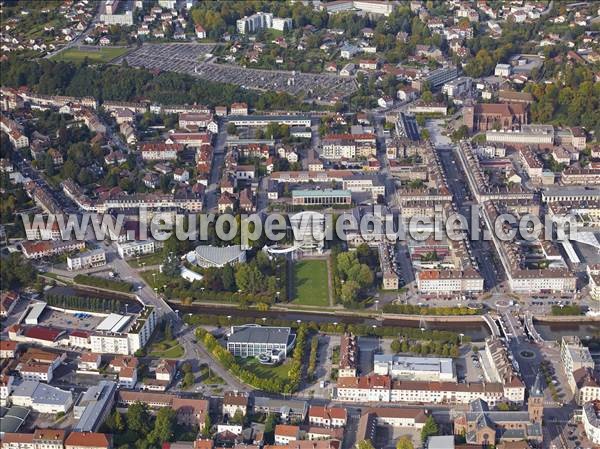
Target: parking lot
{"x": 387, "y": 436}
{"x": 468, "y": 368}
{"x": 61, "y": 320}
{"x": 189, "y": 58}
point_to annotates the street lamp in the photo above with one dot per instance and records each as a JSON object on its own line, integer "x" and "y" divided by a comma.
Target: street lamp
{"x": 376, "y": 305}
{"x": 263, "y": 320}
{"x": 461, "y": 335}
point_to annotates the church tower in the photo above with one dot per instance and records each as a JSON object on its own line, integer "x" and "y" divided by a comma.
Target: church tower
{"x": 535, "y": 403}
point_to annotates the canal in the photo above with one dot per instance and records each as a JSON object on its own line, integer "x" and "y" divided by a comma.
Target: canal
{"x": 476, "y": 331}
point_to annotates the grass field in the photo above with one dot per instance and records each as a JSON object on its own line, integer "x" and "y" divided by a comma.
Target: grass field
{"x": 150, "y": 259}
{"x": 155, "y": 281}
{"x": 166, "y": 349}
{"x": 310, "y": 283}
{"x": 101, "y": 55}
{"x": 264, "y": 371}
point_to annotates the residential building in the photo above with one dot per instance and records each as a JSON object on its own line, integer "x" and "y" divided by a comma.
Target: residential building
{"x": 574, "y": 355}
{"x": 443, "y": 281}
{"x": 88, "y": 259}
{"x": 286, "y": 433}
{"x": 234, "y": 402}
{"x": 590, "y": 417}
{"x": 334, "y": 417}
{"x": 135, "y": 248}
{"x": 421, "y": 107}
{"x": 264, "y": 120}
{"x": 500, "y": 368}
{"x": 48, "y": 438}
{"x": 8, "y": 300}
{"x": 238, "y": 109}
{"x": 412, "y": 418}
{"x": 157, "y": 151}
{"x": 349, "y": 353}
{"x": 287, "y": 410}
{"x": 41, "y": 249}
{"x": 378, "y": 388}
{"x": 166, "y": 370}
{"x": 189, "y": 412}
{"x": 7, "y": 349}
{"x": 89, "y": 361}
{"x": 88, "y": 440}
{"x": 526, "y": 135}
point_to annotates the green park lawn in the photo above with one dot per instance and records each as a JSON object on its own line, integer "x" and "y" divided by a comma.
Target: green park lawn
{"x": 265, "y": 371}
{"x": 101, "y": 55}
{"x": 144, "y": 261}
{"x": 166, "y": 349}
{"x": 310, "y": 283}
{"x": 155, "y": 278}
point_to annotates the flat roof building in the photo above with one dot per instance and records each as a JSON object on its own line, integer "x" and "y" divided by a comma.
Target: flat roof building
{"x": 287, "y": 409}
{"x": 253, "y": 340}
{"x": 264, "y": 120}
{"x": 41, "y": 397}
{"x": 35, "y": 312}
{"x": 327, "y": 197}
{"x": 12, "y": 418}
{"x": 94, "y": 406}
{"x": 415, "y": 368}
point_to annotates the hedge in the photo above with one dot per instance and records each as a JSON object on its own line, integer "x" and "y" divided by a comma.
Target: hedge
{"x": 109, "y": 284}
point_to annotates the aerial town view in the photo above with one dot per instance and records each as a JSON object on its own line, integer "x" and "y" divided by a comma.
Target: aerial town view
{"x": 299, "y": 224}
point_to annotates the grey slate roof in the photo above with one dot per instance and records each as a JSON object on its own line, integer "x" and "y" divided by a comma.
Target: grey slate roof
{"x": 251, "y": 334}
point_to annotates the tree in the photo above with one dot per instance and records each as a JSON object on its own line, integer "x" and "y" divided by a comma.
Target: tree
{"x": 138, "y": 418}
{"x": 228, "y": 278}
{"x": 16, "y": 271}
{"x": 396, "y": 346}
{"x": 171, "y": 266}
{"x": 404, "y": 442}
{"x": 429, "y": 429}
{"x": 206, "y": 426}
{"x": 427, "y": 96}
{"x": 249, "y": 279}
{"x": 364, "y": 444}
{"x": 350, "y": 291}
{"x": 168, "y": 330}
{"x": 270, "y": 423}
{"x": 188, "y": 380}
{"x": 238, "y": 417}
{"x": 231, "y": 128}
{"x": 164, "y": 425}
{"x": 119, "y": 424}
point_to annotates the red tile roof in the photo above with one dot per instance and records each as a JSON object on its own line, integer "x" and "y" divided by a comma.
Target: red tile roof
{"x": 49, "y": 434}
{"x": 287, "y": 430}
{"x": 43, "y": 333}
{"x": 7, "y": 345}
{"x": 88, "y": 439}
